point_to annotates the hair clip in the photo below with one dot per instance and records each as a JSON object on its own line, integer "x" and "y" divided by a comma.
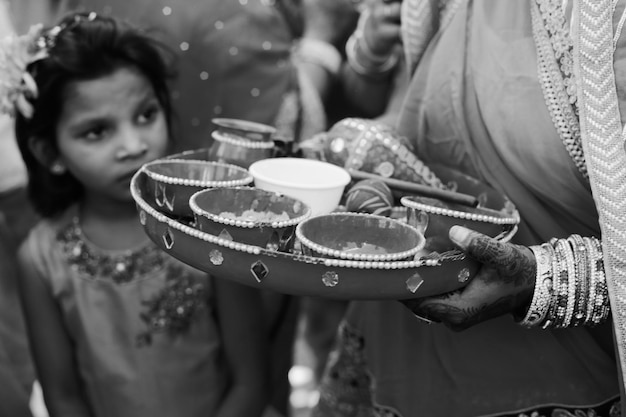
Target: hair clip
{"x": 48, "y": 39}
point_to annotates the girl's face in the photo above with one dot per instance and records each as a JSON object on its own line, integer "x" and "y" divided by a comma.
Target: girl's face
{"x": 109, "y": 127}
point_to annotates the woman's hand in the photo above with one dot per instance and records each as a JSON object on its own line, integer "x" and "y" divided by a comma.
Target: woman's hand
{"x": 330, "y": 21}
{"x": 381, "y": 29}
{"x": 504, "y": 283}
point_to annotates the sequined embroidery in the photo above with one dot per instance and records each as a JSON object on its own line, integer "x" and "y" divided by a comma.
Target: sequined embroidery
{"x": 347, "y": 385}
{"x": 609, "y": 409}
{"x": 555, "y": 66}
{"x": 173, "y": 309}
{"x": 389, "y": 149}
{"x": 170, "y": 311}
{"x": 92, "y": 263}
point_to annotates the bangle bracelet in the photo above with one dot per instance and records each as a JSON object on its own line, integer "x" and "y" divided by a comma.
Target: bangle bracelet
{"x": 552, "y": 309}
{"x": 582, "y": 279}
{"x": 361, "y": 42}
{"x": 580, "y": 293}
{"x": 566, "y": 249}
{"x": 368, "y": 70}
{"x": 540, "y": 303}
{"x": 320, "y": 53}
{"x": 600, "y": 298}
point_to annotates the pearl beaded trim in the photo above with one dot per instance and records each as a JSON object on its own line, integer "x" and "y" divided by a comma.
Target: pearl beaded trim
{"x": 244, "y": 143}
{"x": 477, "y": 217}
{"x": 241, "y": 175}
{"x": 247, "y": 223}
{"x": 256, "y": 250}
{"x": 368, "y": 257}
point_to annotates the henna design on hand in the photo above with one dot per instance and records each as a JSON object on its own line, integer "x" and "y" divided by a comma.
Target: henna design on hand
{"x": 458, "y": 318}
{"x": 515, "y": 263}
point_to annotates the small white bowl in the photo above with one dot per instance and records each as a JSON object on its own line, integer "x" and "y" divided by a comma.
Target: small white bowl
{"x": 318, "y": 184}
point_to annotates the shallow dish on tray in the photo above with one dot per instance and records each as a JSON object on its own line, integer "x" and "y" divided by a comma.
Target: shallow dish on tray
{"x": 435, "y": 217}
{"x": 495, "y": 215}
{"x": 249, "y": 215}
{"x": 358, "y": 236}
{"x": 171, "y": 182}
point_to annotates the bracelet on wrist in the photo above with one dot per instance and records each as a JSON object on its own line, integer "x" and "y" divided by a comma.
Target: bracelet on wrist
{"x": 570, "y": 286}
{"x": 540, "y": 303}
{"x": 368, "y": 69}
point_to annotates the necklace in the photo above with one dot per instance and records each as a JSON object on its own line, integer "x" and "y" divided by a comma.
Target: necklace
{"x": 96, "y": 263}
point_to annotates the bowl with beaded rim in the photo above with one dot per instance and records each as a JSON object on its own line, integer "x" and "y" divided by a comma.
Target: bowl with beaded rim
{"x": 495, "y": 215}
{"x": 170, "y": 183}
{"x": 249, "y": 215}
{"x": 358, "y": 237}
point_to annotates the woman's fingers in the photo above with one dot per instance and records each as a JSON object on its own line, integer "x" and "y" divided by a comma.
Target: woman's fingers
{"x": 388, "y": 11}
{"x": 503, "y": 284}
{"x": 514, "y": 263}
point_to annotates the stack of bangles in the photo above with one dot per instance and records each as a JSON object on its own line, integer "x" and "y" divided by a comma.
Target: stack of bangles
{"x": 570, "y": 289}
{"x": 362, "y": 59}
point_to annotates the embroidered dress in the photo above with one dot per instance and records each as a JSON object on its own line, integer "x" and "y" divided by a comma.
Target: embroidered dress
{"x": 477, "y": 103}
{"x": 141, "y": 321}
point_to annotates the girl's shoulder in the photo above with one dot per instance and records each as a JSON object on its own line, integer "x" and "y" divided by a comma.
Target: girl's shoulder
{"x": 45, "y": 232}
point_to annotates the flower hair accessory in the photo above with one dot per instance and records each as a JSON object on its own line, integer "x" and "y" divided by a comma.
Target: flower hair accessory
{"x": 17, "y": 85}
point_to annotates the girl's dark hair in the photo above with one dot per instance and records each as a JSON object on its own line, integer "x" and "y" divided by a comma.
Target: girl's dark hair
{"x": 85, "y": 49}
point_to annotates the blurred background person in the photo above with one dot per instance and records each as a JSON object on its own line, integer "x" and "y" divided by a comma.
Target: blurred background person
{"x": 17, "y": 373}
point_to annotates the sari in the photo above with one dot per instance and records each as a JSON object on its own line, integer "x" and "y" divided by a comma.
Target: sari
{"x": 476, "y": 103}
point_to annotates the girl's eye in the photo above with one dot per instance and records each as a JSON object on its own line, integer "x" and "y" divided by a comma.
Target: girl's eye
{"x": 94, "y": 134}
{"x": 149, "y": 114}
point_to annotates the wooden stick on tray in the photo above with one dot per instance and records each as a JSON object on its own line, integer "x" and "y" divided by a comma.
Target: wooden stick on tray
{"x": 449, "y": 196}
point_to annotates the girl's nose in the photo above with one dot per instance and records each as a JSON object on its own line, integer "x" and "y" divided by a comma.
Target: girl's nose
{"x": 131, "y": 145}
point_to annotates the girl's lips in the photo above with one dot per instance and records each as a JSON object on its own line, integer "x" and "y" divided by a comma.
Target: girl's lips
{"x": 127, "y": 177}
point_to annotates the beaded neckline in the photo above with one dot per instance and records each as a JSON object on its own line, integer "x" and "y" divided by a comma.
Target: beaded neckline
{"x": 99, "y": 264}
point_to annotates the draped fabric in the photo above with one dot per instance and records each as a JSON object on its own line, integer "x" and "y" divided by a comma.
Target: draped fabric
{"x": 600, "y": 92}
{"x": 476, "y": 103}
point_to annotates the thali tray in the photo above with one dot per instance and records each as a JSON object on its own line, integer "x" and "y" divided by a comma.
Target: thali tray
{"x": 294, "y": 273}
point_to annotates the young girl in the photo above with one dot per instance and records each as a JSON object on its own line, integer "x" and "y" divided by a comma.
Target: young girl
{"x": 118, "y": 327}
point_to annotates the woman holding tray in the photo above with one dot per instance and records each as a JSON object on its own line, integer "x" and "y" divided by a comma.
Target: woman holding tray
{"x": 529, "y": 97}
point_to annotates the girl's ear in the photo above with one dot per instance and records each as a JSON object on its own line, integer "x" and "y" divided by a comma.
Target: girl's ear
{"x": 46, "y": 155}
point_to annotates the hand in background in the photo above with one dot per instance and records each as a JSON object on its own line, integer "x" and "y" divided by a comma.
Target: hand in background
{"x": 504, "y": 284}
{"x": 331, "y": 21}
{"x": 381, "y": 28}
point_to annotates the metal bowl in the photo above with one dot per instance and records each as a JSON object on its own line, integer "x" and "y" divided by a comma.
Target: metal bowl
{"x": 171, "y": 182}
{"x": 249, "y": 215}
{"x": 358, "y": 236}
